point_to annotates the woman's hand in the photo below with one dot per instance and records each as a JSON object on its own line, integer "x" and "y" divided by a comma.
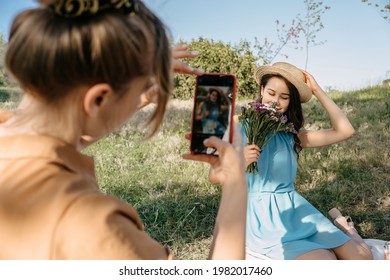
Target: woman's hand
{"x": 229, "y": 165}
{"x": 179, "y": 52}
{"x": 341, "y": 126}
{"x": 251, "y": 154}
{"x": 311, "y": 83}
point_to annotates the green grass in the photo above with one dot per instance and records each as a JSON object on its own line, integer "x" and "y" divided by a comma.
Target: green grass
{"x": 353, "y": 175}
{"x": 178, "y": 205}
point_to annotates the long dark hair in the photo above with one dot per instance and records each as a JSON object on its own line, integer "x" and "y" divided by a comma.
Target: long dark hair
{"x": 294, "y": 111}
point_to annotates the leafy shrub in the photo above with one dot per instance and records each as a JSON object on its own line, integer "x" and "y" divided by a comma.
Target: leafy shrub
{"x": 4, "y": 95}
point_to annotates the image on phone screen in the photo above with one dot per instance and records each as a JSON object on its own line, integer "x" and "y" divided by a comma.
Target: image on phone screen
{"x": 213, "y": 110}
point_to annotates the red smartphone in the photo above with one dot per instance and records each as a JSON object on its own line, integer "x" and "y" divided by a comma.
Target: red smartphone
{"x": 214, "y": 101}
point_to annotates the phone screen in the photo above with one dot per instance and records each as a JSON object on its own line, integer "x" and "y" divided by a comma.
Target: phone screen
{"x": 213, "y": 110}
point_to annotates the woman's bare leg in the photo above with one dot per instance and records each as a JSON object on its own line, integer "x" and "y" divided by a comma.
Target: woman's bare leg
{"x": 356, "y": 248}
{"x": 353, "y": 251}
{"x": 318, "y": 254}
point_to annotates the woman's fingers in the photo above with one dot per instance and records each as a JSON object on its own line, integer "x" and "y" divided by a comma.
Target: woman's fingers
{"x": 183, "y": 68}
{"x": 251, "y": 153}
{"x": 179, "y": 52}
{"x": 252, "y": 149}
{"x": 211, "y": 159}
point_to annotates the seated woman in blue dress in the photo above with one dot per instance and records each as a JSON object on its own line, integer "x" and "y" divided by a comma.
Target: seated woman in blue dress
{"x": 281, "y": 224}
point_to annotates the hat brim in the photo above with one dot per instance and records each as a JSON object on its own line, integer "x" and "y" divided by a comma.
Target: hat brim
{"x": 305, "y": 92}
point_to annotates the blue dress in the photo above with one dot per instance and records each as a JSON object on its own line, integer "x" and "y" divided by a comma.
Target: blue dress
{"x": 281, "y": 224}
{"x": 211, "y": 124}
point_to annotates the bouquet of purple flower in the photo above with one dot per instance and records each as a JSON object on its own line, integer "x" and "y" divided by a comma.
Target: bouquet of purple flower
{"x": 259, "y": 121}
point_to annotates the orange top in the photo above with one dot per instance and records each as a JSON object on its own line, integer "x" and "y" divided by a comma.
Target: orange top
{"x": 51, "y": 207}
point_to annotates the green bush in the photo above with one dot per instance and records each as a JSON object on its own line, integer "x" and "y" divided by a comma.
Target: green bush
{"x": 4, "y": 95}
{"x": 9, "y": 97}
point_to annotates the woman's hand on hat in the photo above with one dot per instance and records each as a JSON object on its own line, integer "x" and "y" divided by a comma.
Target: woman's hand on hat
{"x": 311, "y": 82}
{"x": 179, "y": 52}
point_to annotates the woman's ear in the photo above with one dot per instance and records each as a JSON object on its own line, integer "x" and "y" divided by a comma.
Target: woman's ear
{"x": 96, "y": 98}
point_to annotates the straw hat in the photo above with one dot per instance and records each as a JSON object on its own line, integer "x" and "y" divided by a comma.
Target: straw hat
{"x": 220, "y": 91}
{"x": 290, "y": 73}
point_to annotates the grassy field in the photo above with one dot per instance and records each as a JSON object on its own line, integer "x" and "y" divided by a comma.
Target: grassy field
{"x": 178, "y": 205}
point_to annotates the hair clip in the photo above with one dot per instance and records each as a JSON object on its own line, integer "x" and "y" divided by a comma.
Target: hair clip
{"x": 80, "y": 8}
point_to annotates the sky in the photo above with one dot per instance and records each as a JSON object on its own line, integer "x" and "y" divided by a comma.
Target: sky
{"x": 355, "y": 53}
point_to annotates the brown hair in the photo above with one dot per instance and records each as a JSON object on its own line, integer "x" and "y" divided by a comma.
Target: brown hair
{"x": 50, "y": 55}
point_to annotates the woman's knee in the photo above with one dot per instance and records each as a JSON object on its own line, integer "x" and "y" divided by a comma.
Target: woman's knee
{"x": 353, "y": 251}
{"x": 365, "y": 253}
{"x": 318, "y": 254}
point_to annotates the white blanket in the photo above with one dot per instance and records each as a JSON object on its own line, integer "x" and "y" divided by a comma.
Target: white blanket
{"x": 377, "y": 248}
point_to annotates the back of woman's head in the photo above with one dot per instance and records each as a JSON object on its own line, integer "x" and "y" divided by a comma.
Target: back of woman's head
{"x": 64, "y": 44}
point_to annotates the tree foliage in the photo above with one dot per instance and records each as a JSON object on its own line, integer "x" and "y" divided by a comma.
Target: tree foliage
{"x": 384, "y": 8}
{"x": 287, "y": 35}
